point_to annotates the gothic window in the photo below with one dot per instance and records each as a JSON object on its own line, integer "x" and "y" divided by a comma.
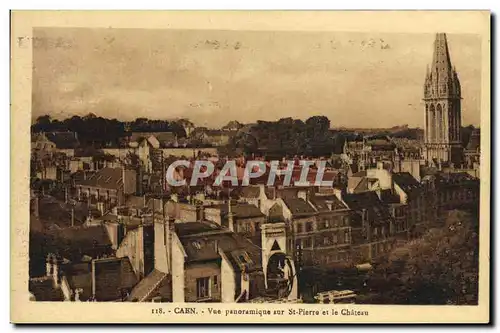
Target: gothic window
{"x": 432, "y": 123}
{"x": 439, "y": 122}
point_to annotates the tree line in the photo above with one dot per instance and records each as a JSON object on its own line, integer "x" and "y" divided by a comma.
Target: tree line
{"x": 99, "y": 131}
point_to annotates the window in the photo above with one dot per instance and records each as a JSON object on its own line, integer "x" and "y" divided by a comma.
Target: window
{"x": 203, "y": 287}
{"x": 326, "y": 241}
{"x": 346, "y": 221}
{"x": 309, "y": 227}
{"x": 216, "y": 281}
{"x": 375, "y": 231}
{"x": 335, "y": 239}
{"x": 346, "y": 237}
{"x": 327, "y": 224}
{"x": 306, "y": 242}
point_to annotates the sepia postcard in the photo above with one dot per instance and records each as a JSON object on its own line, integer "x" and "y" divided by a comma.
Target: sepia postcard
{"x": 250, "y": 167}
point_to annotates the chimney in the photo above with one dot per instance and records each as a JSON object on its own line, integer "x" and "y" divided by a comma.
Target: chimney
{"x": 93, "y": 279}
{"x": 171, "y": 231}
{"x": 230, "y": 216}
{"x": 303, "y": 195}
{"x": 48, "y": 265}
{"x": 89, "y": 217}
{"x": 100, "y": 206}
{"x": 78, "y": 291}
{"x": 199, "y": 213}
{"x": 140, "y": 190}
{"x": 55, "y": 272}
{"x": 123, "y": 178}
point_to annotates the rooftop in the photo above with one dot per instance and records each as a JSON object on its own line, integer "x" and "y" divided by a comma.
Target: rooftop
{"x": 110, "y": 178}
{"x": 298, "y": 206}
{"x": 240, "y": 210}
{"x": 322, "y": 202}
{"x": 405, "y": 181}
{"x": 202, "y": 241}
{"x": 111, "y": 277}
{"x": 43, "y": 290}
{"x": 370, "y": 202}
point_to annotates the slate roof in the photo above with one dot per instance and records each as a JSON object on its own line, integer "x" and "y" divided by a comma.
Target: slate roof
{"x": 52, "y": 212}
{"x": 203, "y": 240}
{"x": 365, "y": 184}
{"x": 405, "y": 181}
{"x": 328, "y": 175}
{"x": 457, "y": 178}
{"x": 164, "y": 138}
{"x": 110, "y": 178}
{"x": 360, "y": 174}
{"x": 81, "y": 238}
{"x": 147, "y": 286}
{"x": 370, "y": 202}
{"x": 250, "y": 192}
{"x": 240, "y": 210}
{"x": 43, "y": 290}
{"x": 193, "y": 228}
{"x": 298, "y": 206}
{"x": 111, "y": 276}
{"x": 79, "y": 276}
{"x": 321, "y": 203}
{"x": 387, "y": 197}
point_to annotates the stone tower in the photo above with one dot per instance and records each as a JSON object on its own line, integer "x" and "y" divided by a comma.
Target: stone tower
{"x": 442, "y": 97}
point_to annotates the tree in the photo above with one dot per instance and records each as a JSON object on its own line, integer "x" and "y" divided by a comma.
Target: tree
{"x": 439, "y": 268}
{"x": 233, "y": 124}
{"x": 42, "y": 124}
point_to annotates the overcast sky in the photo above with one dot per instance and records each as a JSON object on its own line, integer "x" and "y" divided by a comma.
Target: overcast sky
{"x": 212, "y": 77}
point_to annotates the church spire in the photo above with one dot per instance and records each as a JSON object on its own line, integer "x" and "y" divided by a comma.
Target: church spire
{"x": 441, "y": 61}
{"x": 442, "y": 95}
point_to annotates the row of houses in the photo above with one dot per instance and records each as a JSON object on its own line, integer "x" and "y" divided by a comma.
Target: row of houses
{"x": 68, "y": 142}
{"x": 202, "y": 249}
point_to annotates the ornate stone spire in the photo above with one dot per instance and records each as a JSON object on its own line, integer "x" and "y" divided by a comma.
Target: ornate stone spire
{"x": 442, "y": 96}
{"x": 441, "y": 62}
{"x": 442, "y": 81}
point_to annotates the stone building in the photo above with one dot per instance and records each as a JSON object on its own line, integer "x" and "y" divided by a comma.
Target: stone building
{"x": 108, "y": 186}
